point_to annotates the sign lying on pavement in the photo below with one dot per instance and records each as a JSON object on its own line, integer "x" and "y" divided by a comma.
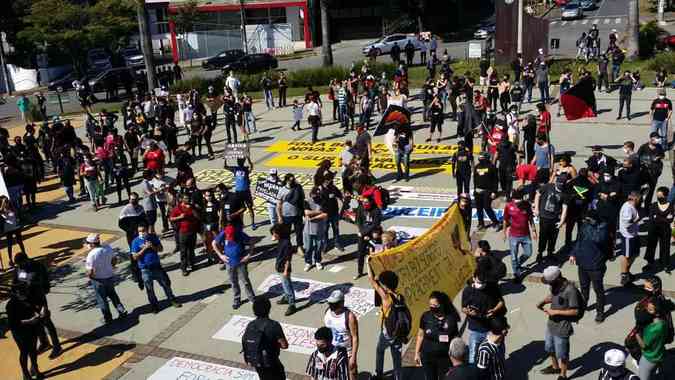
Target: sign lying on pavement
{"x": 312, "y": 160}
{"x": 358, "y": 300}
{"x": 405, "y": 233}
{"x": 427, "y": 212}
{"x": 409, "y": 193}
{"x": 300, "y": 338}
{"x": 333, "y": 148}
{"x": 188, "y": 369}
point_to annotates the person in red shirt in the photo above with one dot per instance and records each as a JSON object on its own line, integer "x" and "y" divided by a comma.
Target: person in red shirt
{"x": 519, "y": 230}
{"x": 154, "y": 158}
{"x": 187, "y": 223}
{"x": 496, "y": 136}
{"x": 369, "y": 191}
{"x": 544, "y": 126}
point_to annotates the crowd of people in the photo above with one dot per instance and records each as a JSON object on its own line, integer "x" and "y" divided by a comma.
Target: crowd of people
{"x": 606, "y": 199}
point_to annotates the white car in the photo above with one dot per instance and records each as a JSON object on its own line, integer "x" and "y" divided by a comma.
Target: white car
{"x": 384, "y": 45}
{"x": 484, "y": 31}
{"x": 572, "y": 11}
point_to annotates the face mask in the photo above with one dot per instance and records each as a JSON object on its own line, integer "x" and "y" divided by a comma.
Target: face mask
{"x": 436, "y": 310}
{"x": 334, "y": 306}
{"x": 662, "y": 200}
{"x": 662, "y": 97}
{"x": 607, "y": 177}
{"x": 324, "y": 349}
{"x": 141, "y": 235}
{"x": 478, "y": 285}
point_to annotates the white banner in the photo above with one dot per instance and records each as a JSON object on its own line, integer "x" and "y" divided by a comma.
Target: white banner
{"x": 358, "y": 300}
{"x": 300, "y": 338}
{"x": 188, "y": 369}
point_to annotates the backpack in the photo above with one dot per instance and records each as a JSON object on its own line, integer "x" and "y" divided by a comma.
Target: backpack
{"x": 386, "y": 197}
{"x": 582, "y": 307}
{"x": 399, "y": 321}
{"x": 253, "y": 345}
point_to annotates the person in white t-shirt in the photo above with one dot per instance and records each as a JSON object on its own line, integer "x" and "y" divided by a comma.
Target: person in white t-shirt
{"x": 628, "y": 232}
{"x": 100, "y": 265}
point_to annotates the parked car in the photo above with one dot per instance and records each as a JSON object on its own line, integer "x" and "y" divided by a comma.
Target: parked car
{"x": 572, "y": 11}
{"x": 252, "y": 63}
{"x": 588, "y": 5}
{"x": 118, "y": 75}
{"x": 223, "y": 58}
{"x": 561, "y": 3}
{"x": 132, "y": 56}
{"x": 667, "y": 42}
{"x": 98, "y": 60}
{"x": 65, "y": 82}
{"x": 384, "y": 45}
{"x": 484, "y": 31}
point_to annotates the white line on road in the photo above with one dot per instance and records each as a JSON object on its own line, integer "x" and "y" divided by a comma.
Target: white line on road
{"x": 617, "y": 21}
{"x": 564, "y": 23}
{"x": 596, "y": 21}
{"x": 554, "y": 22}
{"x": 574, "y": 22}
{"x": 606, "y": 21}
{"x": 584, "y": 22}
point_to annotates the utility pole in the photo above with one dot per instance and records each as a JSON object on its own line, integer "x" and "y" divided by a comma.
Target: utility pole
{"x": 146, "y": 44}
{"x": 633, "y": 29}
{"x": 520, "y": 27}
{"x": 5, "y": 72}
{"x": 661, "y": 10}
{"x": 244, "y": 39}
{"x": 326, "y": 49}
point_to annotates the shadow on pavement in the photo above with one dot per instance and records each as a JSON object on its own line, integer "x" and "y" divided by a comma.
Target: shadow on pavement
{"x": 101, "y": 355}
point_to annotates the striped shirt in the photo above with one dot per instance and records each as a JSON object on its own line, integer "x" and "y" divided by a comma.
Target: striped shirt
{"x": 490, "y": 361}
{"x": 332, "y": 367}
{"x": 342, "y": 96}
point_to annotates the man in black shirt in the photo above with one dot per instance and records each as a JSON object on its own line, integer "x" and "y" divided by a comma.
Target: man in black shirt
{"x": 550, "y": 205}
{"x": 404, "y": 147}
{"x": 230, "y": 117}
{"x": 625, "y": 93}
{"x": 329, "y": 199}
{"x": 273, "y": 340}
{"x": 481, "y": 302}
{"x": 603, "y": 74}
{"x": 460, "y": 369}
{"x": 661, "y": 111}
{"x": 462, "y": 162}
{"x": 651, "y": 155}
{"x": 395, "y": 53}
{"x": 409, "y": 53}
{"x": 485, "y": 188}
{"x": 506, "y": 160}
{"x": 609, "y": 194}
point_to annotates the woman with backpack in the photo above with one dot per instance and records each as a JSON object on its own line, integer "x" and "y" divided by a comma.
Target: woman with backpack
{"x": 437, "y": 328}
{"x": 652, "y": 339}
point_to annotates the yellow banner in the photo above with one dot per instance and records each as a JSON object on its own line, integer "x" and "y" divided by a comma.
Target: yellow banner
{"x": 440, "y": 260}
{"x": 335, "y": 147}
{"x": 312, "y": 161}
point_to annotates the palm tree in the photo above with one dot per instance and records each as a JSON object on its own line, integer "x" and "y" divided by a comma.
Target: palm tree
{"x": 326, "y": 49}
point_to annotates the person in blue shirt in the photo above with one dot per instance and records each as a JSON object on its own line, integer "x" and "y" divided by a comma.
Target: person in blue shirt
{"x": 242, "y": 184}
{"x": 145, "y": 249}
{"x": 230, "y": 246}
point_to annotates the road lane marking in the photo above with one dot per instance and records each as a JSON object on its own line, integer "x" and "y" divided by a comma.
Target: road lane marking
{"x": 584, "y": 22}
{"x": 554, "y": 22}
{"x": 564, "y": 23}
{"x": 606, "y": 21}
{"x": 617, "y": 21}
{"x": 574, "y": 22}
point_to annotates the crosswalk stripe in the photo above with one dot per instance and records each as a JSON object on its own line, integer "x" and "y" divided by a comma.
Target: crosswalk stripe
{"x": 554, "y": 22}
{"x": 574, "y": 22}
{"x": 564, "y": 23}
{"x": 596, "y": 21}
{"x": 606, "y": 21}
{"x": 617, "y": 21}
{"x": 584, "y": 22}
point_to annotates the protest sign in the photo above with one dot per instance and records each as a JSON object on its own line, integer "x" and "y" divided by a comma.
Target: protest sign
{"x": 236, "y": 150}
{"x": 300, "y": 338}
{"x": 440, "y": 259}
{"x": 188, "y": 369}
{"x": 267, "y": 189}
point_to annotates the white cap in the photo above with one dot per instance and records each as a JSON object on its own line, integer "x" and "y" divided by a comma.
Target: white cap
{"x": 541, "y": 51}
{"x": 615, "y": 357}
{"x": 93, "y": 239}
{"x": 551, "y": 273}
{"x": 273, "y": 171}
{"x": 336, "y": 296}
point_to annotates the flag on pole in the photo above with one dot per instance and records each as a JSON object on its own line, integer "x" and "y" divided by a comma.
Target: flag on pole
{"x": 579, "y": 101}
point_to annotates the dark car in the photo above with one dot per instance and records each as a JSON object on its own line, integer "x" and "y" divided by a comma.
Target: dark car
{"x": 223, "y": 58}
{"x": 65, "y": 82}
{"x": 118, "y": 75}
{"x": 252, "y": 63}
{"x": 132, "y": 56}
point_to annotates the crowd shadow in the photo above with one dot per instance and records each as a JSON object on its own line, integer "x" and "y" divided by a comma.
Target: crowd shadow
{"x": 591, "y": 360}
{"x": 101, "y": 355}
{"x": 618, "y": 298}
{"x": 521, "y": 361}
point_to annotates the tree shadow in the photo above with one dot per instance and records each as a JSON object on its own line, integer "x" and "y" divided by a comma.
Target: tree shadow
{"x": 101, "y": 355}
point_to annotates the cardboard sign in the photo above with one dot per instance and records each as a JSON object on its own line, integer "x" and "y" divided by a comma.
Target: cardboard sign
{"x": 236, "y": 150}
{"x": 189, "y": 369}
{"x": 267, "y": 190}
{"x": 300, "y": 338}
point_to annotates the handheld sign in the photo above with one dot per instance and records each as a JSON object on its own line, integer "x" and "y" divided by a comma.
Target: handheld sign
{"x": 236, "y": 151}
{"x": 267, "y": 190}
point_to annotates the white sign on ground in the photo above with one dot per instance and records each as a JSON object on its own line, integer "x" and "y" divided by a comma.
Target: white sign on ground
{"x": 300, "y": 338}
{"x": 188, "y": 369}
{"x": 405, "y": 233}
{"x": 358, "y": 300}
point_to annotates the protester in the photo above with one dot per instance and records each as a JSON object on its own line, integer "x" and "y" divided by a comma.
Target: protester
{"x": 614, "y": 367}
{"x": 230, "y": 246}
{"x": 630, "y": 241}
{"x": 264, "y": 335}
{"x": 100, "y": 265}
{"x": 652, "y": 340}
{"x": 437, "y": 328}
{"x": 187, "y": 222}
{"x": 519, "y": 229}
{"x": 281, "y": 234}
{"x": 550, "y": 205}
{"x": 460, "y": 369}
{"x": 327, "y": 362}
{"x": 23, "y": 319}
{"x": 490, "y": 358}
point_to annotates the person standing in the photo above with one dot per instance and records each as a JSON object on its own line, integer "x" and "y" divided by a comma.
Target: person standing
{"x": 409, "y": 53}
{"x": 145, "y": 249}
{"x": 270, "y": 336}
{"x": 327, "y": 362}
{"x": 541, "y": 74}
{"x": 230, "y": 117}
{"x": 230, "y": 246}
{"x": 661, "y": 214}
{"x": 404, "y": 145}
{"x": 395, "y": 53}
{"x": 232, "y": 83}
{"x": 460, "y": 369}
{"x": 652, "y": 340}
{"x": 625, "y": 92}
{"x": 314, "y": 117}
{"x": 282, "y": 84}
{"x": 506, "y": 158}
{"x": 330, "y": 195}
{"x": 550, "y": 205}
{"x": 614, "y": 367}
{"x": 650, "y": 165}
{"x": 566, "y": 303}
{"x": 603, "y": 74}
{"x": 23, "y": 104}
{"x": 247, "y": 114}
{"x": 315, "y": 229}
{"x": 344, "y": 326}
{"x": 462, "y": 163}
{"x": 629, "y": 226}
{"x": 281, "y": 233}
{"x": 368, "y": 220}
{"x": 266, "y": 84}
{"x": 290, "y": 206}
{"x": 23, "y": 319}
{"x": 100, "y": 266}
{"x": 490, "y": 359}
{"x": 273, "y": 181}
{"x": 150, "y": 199}
{"x": 519, "y": 229}
{"x": 437, "y": 327}
{"x": 485, "y": 189}
{"x": 661, "y": 111}
{"x": 187, "y": 222}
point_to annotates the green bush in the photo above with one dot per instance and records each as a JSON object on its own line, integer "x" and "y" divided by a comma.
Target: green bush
{"x": 319, "y": 76}
{"x": 650, "y": 34}
{"x": 665, "y": 60}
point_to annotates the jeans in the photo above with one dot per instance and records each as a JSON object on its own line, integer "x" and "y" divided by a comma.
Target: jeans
{"x": 616, "y": 69}
{"x": 149, "y": 276}
{"x": 104, "y": 289}
{"x": 557, "y": 345}
{"x": 383, "y": 343}
{"x": 646, "y": 368}
{"x": 272, "y": 212}
{"x": 662, "y": 128}
{"x": 313, "y": 252}
{"x": 249, "y": 122}
{"x": 287, "y": 286}
{"x": 594, "y": 277}
{"x": 187, "y": 242}
{"x": 402, "y": 158}
{"x": 234, "y": 273}
{"x": 334, "y": 224}
{"x": 475, "y": 339}
{"x": 269, "y": 99}
{"x": 69, "y": 192}
{"x": 543, "y": 91}
{"x": 108, "y": 172}
{"x": 343, "y": 116}
{"x": 528, "y": 90}
{"x": 91, "y": 185}
{"x": 516, "y": 261}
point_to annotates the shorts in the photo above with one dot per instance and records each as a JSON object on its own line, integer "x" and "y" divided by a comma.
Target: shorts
{"x": 557, "y": 345}
{"x": 630, "y": 247}
{"x": 151, "y": 216}
{"x": 246, "y": 197}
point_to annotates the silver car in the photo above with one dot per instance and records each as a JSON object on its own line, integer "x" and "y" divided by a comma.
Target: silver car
{"x": 572, "y": 11}
{"x": 384, "y": 45}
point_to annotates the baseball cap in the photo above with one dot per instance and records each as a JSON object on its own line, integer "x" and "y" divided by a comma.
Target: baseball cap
{"x": 273, "y": 171}
{"x": 551, "y": 273}
{"x": 654, "y": 134}
{"x": 93, "y": 238}
{"x": 336, "y": 296}
{"x": 614, "y": 362}
{"x": 596, "y": 148}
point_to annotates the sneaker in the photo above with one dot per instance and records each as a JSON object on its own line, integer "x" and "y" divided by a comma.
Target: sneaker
{"x": 186, "y": 273}
{"x": 56, "y": 351}
{"x": 176, "y": 304}
{"x": 600, "y": 317}
{"x": 561, "y": 377}
{"x": 155, "y": 309}
{"x": 290, "y": 311}
{"x": 282, "y": 301}
{"x": 223, "y": 267}
{"x": 518, "y": 278}
{"x": 254, "y": 226}
{"x": 308, "y": 267}
{"x": 236, "y": 305}
{"x": 122, "y": 314}
{"x": 358, "y": 275}
{"x": 319, "y": 266}
{"x": 550, "y": 371}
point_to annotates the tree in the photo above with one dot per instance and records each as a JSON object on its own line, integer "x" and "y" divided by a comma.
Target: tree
{"x": 326, "y": 48}
{"x": 146, "y": 44}
{"x": 421, "y": 7}
{"x": 185, "y": 18}
{"x": 633, "y": 29}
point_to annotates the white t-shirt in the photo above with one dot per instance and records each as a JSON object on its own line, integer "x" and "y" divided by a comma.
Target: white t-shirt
{"x": 313, "y": 109}
{"x": 100, "y": 259}
{"x": 628, "y": 221}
